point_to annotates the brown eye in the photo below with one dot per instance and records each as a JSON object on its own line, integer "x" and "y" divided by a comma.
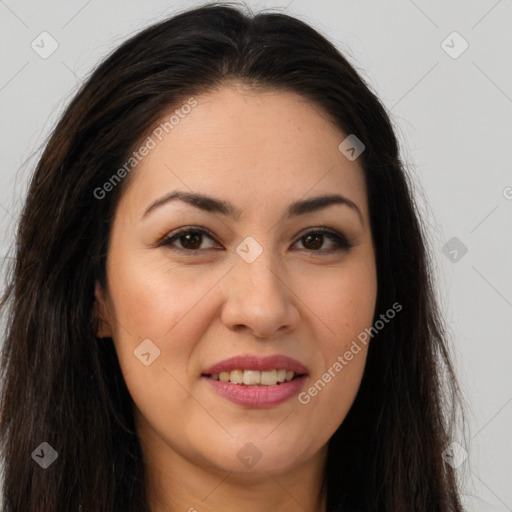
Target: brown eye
{"x": 189, "y": 240}
{"x": 314, "y": 240}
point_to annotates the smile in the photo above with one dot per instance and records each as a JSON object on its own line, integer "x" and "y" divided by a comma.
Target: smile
{"x": 257, "y": 382}
{"x": 255, "y": 377}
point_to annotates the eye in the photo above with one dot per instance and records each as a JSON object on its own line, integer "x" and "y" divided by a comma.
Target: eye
{"x": 190, "y": 239}
{"x": 313, "y": 240}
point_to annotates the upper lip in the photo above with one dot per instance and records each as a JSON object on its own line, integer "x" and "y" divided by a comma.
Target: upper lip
{"x": 252, "y": 362}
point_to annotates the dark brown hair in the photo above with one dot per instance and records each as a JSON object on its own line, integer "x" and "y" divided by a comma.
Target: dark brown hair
{"x": 64, "y": 386}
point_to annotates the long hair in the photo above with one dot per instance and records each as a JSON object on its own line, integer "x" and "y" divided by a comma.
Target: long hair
{"x": 63, "y": 386}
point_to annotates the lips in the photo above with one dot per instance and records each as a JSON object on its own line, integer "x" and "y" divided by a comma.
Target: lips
{"x": 257, "y": 382}
{"x": 251, "y": 362}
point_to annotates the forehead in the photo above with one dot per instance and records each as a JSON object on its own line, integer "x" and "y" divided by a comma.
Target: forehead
{"x": 247, "y": 146}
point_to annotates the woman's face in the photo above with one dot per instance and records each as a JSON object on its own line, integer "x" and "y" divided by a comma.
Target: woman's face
{"x": 261, "y": 284}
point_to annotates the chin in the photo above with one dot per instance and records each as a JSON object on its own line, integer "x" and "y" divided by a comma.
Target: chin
{"x": 258, "y": 457}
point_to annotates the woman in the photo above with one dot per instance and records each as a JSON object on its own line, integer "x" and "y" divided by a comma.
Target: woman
{"x": 297, "y": 361}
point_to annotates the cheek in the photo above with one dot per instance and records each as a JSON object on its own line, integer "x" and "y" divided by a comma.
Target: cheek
{"x": 329, "y": 396}
{"x": 156, "y": 304}
{"x": 150, "y": 304}
{"x": 168, "y": 304}
{"x": 342, "y": 306}
{"x": 153, "y": 298}
{"x": 343, "y": 302}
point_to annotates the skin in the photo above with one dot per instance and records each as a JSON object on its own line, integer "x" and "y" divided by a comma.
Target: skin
{"x": 261, "y": 151}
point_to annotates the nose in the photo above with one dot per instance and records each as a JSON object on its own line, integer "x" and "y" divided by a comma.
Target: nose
{"x": 258, "y": 299}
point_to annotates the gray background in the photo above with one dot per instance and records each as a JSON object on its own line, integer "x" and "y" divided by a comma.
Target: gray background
{"x": 454, "y": 121}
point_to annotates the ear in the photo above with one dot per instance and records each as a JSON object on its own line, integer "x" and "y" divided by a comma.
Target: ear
{"x": 101, "y": 315}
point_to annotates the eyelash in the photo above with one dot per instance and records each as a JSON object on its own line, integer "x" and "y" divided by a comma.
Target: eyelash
{"x": 341, "y": 242}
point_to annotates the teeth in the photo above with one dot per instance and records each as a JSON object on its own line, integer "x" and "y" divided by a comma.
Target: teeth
{"x": 249, "y": 378}
{"x": 269, "y": 378}
{"x": 236, "y": 376}
{"x": 254, "y": 377}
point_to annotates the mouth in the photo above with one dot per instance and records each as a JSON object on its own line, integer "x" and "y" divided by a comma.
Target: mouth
{"x": 257, "y": 382}
{"x": 274, "y": 377}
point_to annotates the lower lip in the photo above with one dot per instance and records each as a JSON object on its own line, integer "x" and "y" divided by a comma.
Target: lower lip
{"x": 258, "y": 396}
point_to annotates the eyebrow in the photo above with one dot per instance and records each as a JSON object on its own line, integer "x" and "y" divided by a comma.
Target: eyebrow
{"x": 213, "y": 205}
